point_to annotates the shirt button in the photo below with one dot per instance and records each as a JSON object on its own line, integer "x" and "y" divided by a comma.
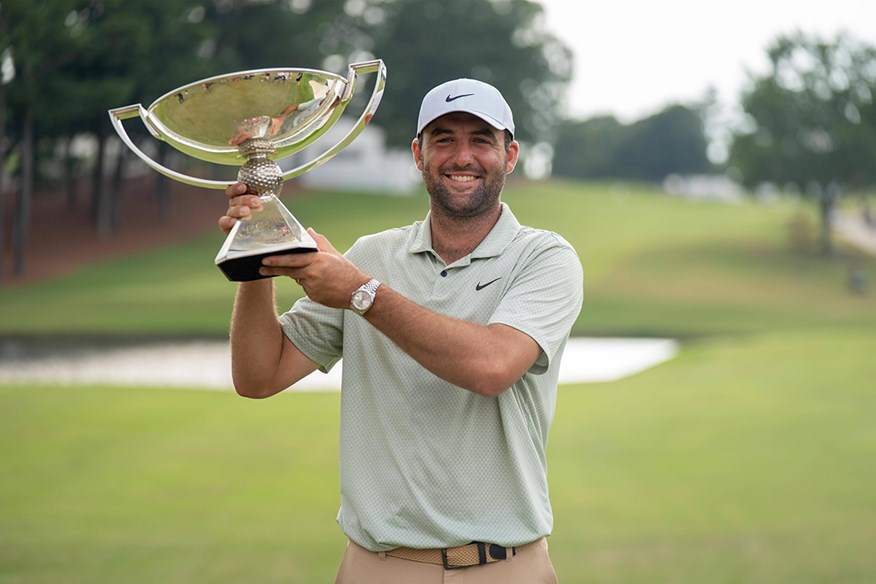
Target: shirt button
{"x": 443, "y": 273}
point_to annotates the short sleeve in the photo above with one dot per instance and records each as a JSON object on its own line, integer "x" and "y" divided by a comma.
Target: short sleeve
{"x": 545, "y": 298}
{"x": 316, "y": 330}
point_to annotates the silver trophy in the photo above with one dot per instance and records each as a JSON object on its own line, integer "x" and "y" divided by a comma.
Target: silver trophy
{"x": 252, "y": 119}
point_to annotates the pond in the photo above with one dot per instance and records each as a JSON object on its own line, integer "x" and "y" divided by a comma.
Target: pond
{"x": 205, "y": 363}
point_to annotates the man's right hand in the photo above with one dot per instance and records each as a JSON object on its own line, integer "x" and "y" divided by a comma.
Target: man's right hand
{"x": 240, "y": 206}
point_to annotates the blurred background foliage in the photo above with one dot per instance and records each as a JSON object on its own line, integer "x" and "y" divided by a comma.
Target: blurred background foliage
{"x": 809, "y": 124}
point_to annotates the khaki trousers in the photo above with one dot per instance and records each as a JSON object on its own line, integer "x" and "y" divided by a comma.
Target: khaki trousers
{"x": 531, "y": 565}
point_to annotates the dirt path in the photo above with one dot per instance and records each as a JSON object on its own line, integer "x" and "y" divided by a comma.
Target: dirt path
{"x": 62, "y": 239}
{"x": 853, "y": 229}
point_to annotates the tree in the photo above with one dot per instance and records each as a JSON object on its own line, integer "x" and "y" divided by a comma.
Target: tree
{"x": 33, "y": 41}
{"x": 586, "y": 149}
{"x": 75, "y": 59}
{"x": 256, "y": 34}
{"x": 671, "y": 141}
{"x": 125, "y": 52}
{"x": 811, "y": 121}
{"x": 502, "y": 42}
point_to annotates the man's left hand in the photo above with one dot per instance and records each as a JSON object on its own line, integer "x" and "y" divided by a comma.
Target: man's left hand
{"x": 326, "y": 275}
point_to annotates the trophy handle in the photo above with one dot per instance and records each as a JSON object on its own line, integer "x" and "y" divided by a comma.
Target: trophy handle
{"x": 364, "y": 67}
{"x": 122, "y": 113}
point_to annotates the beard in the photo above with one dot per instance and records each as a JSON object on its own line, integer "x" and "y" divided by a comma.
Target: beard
{"x": 483, "y": 198}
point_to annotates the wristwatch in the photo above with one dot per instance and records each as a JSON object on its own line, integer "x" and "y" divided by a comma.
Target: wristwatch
{"x": 363, "y": 297}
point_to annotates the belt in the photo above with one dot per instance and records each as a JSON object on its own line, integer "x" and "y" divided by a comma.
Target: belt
{"x": 476, "y": 553}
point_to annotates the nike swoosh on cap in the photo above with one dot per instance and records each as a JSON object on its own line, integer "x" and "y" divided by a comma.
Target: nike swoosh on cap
{"x": 448, "y": 99}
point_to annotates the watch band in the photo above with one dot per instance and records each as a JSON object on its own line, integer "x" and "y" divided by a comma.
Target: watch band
{"x": 363, "y": 297}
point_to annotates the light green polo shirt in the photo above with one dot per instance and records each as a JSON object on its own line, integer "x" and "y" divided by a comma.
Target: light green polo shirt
{"x": 424, "y": 463}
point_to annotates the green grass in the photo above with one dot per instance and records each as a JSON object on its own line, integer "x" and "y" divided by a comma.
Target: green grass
{"x": 144, "y": 485}
{"x": 700, "y": 470}
{"x": 744, "y": 460}
{"x": 747, "y": 459}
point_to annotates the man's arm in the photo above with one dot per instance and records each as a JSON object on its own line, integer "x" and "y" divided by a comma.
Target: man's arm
{"x": 485, "y": 359}
{"x": 263, "y": 361}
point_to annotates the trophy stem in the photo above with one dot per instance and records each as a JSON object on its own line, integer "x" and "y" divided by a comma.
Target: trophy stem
{"x": 271, "y": 229}
{"x": 260, "y": 174}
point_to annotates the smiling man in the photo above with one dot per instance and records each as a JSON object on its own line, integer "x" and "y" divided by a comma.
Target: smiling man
{"x": 451, "y": 330}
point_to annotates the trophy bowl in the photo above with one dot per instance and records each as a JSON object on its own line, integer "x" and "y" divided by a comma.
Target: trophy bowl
{"x": 251, "y": 119}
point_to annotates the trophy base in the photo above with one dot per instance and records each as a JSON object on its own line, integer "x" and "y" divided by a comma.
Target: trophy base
{"x": 245, "y": 268}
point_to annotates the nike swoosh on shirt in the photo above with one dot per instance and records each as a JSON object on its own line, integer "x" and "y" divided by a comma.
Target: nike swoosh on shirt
{"x": 480, "y": 286}
{"x": 448, "y": 99}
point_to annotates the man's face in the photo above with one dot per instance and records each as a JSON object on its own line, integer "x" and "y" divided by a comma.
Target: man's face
{"x": 464, "y": 162}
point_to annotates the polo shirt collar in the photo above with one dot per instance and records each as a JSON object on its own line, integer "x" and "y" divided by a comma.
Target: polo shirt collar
{"x": 499, "y": 237}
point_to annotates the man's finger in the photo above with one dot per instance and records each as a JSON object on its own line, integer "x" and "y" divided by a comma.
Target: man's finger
{"x": 235, "y": 189}
{"x": 226, "y": 223}
{"x": 239, "y": 212}
{"x": 322, "y": 242}
{"x": 290, "y": 260}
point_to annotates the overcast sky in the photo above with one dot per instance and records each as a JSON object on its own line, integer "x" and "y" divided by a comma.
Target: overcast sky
{"x": 633, "y": 57}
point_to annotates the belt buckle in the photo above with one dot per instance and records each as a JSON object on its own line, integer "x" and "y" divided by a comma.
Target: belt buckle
{"x": 482, "y": 557}
{"x": 445, "y": 562}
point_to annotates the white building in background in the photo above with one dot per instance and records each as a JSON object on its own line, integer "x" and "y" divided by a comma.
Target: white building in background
{"x": 702, "y": 187}
{"x": 365, "y": 165}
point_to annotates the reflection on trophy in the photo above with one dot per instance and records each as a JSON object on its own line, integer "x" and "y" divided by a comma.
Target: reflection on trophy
{"x": 252, "y": 119}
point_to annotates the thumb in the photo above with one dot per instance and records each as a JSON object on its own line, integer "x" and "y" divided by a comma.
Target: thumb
{"x": 322, "y": 243}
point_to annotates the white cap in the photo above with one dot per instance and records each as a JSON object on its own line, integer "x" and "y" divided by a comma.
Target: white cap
{"x": 466, "y": 95}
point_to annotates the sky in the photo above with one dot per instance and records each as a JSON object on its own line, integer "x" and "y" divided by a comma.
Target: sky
{"x": 634, "y": 57}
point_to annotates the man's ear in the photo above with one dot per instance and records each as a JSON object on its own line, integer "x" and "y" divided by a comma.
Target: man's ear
{"x": 511, "y": 156}
{"x": 418, "y": 155}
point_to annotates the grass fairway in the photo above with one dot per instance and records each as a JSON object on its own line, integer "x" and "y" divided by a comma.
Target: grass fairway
{"x": 108, "y": 485}
{"x": 744, "y": 460}
{"x": 717, "y": 467}
{"x": 748, "y": 459}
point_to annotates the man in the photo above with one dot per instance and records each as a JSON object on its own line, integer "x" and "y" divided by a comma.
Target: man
{"x": 451, "y": 331}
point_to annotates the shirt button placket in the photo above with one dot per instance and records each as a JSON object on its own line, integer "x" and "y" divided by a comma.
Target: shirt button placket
{"x": 439, "y": 289}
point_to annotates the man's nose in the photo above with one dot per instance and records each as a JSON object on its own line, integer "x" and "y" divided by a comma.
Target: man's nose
{"x": 463, "y": 153}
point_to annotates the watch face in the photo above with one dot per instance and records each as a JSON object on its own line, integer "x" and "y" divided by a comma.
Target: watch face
{"x": 361, "y": 300}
